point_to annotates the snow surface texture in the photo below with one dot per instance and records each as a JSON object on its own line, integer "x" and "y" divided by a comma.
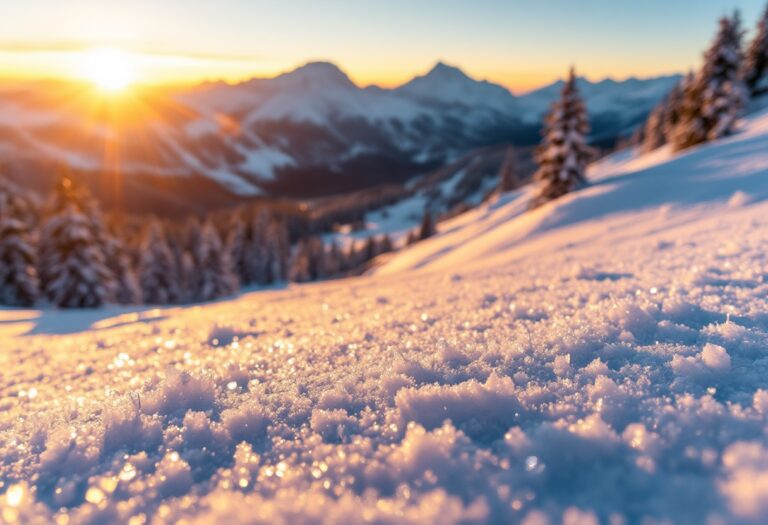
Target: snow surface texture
{"x": 591, "y": 371}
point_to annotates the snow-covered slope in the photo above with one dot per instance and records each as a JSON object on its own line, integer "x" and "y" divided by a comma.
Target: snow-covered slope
{"x": 629, "y": 197}
{"x": 599, "y": 360}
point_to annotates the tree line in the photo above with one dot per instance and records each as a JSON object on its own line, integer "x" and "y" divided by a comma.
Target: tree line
{"x": 704, "y": 106}
{"x": 67, "y": 254}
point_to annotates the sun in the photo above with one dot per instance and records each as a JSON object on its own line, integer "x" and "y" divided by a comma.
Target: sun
{"x": 110, "y": 69}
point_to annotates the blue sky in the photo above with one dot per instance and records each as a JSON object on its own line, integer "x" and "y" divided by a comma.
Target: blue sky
{"x": 517, "y": 43}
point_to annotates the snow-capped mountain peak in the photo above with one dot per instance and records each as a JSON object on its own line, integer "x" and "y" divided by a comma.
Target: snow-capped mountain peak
{"x": 273, "y": 135}
{"x": 443, "y": 71}
{"x": 315, "y": 75}
{"x": 449, "y": 84}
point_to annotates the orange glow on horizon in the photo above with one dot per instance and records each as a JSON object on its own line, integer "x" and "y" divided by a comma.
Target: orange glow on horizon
{"x": 114, "y": 70}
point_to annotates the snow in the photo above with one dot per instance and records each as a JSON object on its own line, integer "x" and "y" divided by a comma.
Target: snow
{"x": 449, "y": 85}
{"x": 602, "y": 97}
{"x": 397, "y": 220}
{"x": 630, "y": 197}
{"x": 234, "y": 182}
{"x": 600, "y": 359}
{"x": 434, "y": 117}
{"x": 313, "y": 93}
{"x": 263, "y": 162}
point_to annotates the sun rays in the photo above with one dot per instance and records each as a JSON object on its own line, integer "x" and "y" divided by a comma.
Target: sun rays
{"x": 110, "y": 70}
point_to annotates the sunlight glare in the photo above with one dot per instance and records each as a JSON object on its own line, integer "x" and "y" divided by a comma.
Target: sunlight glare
{"x": 109, "y": 69}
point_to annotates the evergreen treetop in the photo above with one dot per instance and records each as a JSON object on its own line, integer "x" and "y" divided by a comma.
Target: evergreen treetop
{"x": 563, "y": 154}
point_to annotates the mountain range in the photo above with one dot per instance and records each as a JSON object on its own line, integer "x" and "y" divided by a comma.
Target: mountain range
{"x": 306, "y": 133}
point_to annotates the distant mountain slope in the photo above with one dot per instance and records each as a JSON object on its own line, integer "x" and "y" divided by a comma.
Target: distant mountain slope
{"x": 629, "y": 196}
{"x": 306, "y": 133}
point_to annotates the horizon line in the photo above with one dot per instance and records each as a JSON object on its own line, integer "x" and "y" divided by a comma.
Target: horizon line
{"x": 22, "y": 48}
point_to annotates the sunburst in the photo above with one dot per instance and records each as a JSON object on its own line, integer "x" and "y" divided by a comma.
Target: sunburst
{"x": 111, "y": 70}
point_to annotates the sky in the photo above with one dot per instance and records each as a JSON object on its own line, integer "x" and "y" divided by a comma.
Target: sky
{"x": 517, "y": 43}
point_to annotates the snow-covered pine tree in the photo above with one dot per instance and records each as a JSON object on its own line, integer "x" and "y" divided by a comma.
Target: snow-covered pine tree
{"x": 370, "y": 248}
{"x": 675, "y": 101}
{"x": 126, "y": 286}
{"x": 658, "y": 128}
{"x": 563, "y": 154}
{"x": 385, "y": 244}
{"x": 317, "y": 255}
{"x": 186, "y": 268}
{"x": 413, "y": 237}
{"x": 353, "y": 256}
{"x": 755, "y": 70}
{"x": 278, "y": 252}
{"x": 635, "y": 140}
{"x": 237, "y": 243}
{"x": 333, "y": 260}
{"x": 158, "y": 273}
{"x": 258, "y": 267}
{"x": 72, "y": 263}
{"x": 215, "y": 276}
{"x": 19, "y": 284}
{"x": 299, "y": 265}
{"x": 73, "y": 268}
{"x": 66, "y": 194}
{"x": 508, "y": 175}
{"x": 427, "y": 228}
{"x": 653, "y": 131}
{"x": 715, "y": 98}
{"x": 128, "y": 289}
{"x": 247, "y": 244}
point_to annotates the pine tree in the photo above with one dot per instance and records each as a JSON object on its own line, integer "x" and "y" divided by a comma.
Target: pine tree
{"x": 755, "y": 70}
{"x": 238, "y": 245}
{"x": 653, "y": 132}
{"x": 73, "y": 268}
{"x": 215, "y": 276}
{"x": 412, "y": 238}
{"x": 662, "y": 121}
{"x": 333, "y": 260}
{"x": 715, "y": 98}
{"x": 187, "y": 276}
{"x": 278, "y": 252}
{"x": 354, "y": 256}
{"x": 370, "y": 249}
{"x": 248, "y": 246}
{"x": 72, "y": 263}
{"x": 128, "y": 289}
{"x": 564, "y": 153}
{"x": 316, "y": 255}
{"x": 183, "y": 245}
{"x": 259, "y": 270}
{"x": 385, "y": 245}
{"x": 158, "y": 271}
{"x": 636, "y": 139}
{"x": 508, "y": 175}
{"x": 427, "y": 228}
{"x": 19, "y": 284}
{"x": 675, "y": 102}
{"x": 299, "y": 271}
